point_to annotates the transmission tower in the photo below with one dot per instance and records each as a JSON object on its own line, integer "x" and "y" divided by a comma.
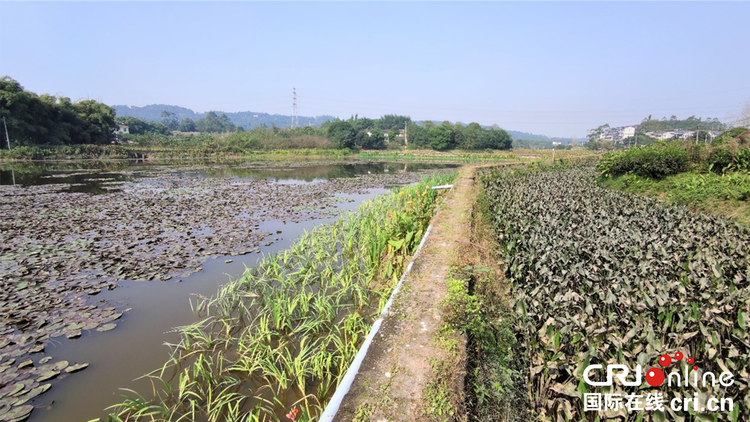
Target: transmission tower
{"x": 295, "y": 117}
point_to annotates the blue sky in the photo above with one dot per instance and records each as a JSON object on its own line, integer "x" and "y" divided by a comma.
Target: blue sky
{"x": 550, "y": 68}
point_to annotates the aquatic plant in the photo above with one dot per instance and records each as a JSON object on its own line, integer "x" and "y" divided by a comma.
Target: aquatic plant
{"x": 276, "y": 341}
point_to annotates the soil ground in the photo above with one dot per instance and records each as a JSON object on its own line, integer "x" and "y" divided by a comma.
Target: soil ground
{"x": 394, "y": 375}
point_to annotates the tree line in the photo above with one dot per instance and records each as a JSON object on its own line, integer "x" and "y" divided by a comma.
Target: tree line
{"x": 370, "y": 134}
{"x": 34, "y": 119}
{"x": 649, "y": 124}
{"x": 211, "y": 123}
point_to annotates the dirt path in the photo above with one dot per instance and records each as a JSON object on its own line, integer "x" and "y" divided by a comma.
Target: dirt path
{"x": 404, "y": 376}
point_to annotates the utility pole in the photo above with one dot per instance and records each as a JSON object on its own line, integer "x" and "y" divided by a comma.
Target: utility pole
{"x": 7, "y": 138}
{"x": 636, "y": 139}
{"x": 697, "y": 130}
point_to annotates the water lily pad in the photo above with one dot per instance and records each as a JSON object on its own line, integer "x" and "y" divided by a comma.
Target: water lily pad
{"x": 44, "y": 360}
{"x": 112, "y": 317}
{"x": 32, "y": 393}
{"x": 27, "y": 362}
{"x": 51, "y": 371}
{"x": 77, "y": 367}
{"x": 106, "y": 327}
{"x": 71, "y": 334}
{"x": 15, "y": 389}
{"x": 17, "y": 413}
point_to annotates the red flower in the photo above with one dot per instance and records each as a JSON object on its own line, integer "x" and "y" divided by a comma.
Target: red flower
{"x": 292, "y": 414}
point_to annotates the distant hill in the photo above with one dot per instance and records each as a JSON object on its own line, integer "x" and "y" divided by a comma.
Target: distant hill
{"x": 251, "y": 119}
{"x": 246, "y": 119}
{"x": 533, "y": 137}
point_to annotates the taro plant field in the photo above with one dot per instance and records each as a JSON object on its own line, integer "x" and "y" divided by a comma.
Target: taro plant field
{"x": 273, "y": 344}
{"x": 604, "y": 277}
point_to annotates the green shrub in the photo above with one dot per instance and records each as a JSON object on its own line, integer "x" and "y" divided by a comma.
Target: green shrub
{"x": 656, "y": 161}
{"x": 742, "y": 159}
{"x": 720, "y": 159}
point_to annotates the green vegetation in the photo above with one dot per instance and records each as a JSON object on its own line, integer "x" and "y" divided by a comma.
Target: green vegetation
{"x": 691, "y": 123}
{"x": 278, "y": 339}
{"x": 667, "y": 158}
{"x": 656, "y": 160}
{"x": 447, "y": 136}
{"x": 602, "y": 277}
{"x": 67, "y": 152}
{"x": 712, "y": 178}
{"x": 48, "y": 120}
{"x": 437, "y": 394}
{"x": 142, "y": 127}
{"x": 245, "y": 119}
{"x": 477, "y": 306}
{"x": 726, "y": 195}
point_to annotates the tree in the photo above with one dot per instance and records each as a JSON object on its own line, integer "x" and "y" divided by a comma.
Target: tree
{"x": 360, "y": 123}
{"x": 496, "y": 138}
{"x": 137, "y": 126}
{"x": 186, "y": 125}
{"x": 169, "y": 119}
{"x": 213, "y": 123}
{"x": 341, "y": 134}
{"x": 98, "y": 122}
{"x": 50, "y": 120}
{"x": 472, "y": 136}
{"x": 441, "y": 137}
{"x": 393, "y": 122}
{"x": 370, "y": 139}
{"x": 417, "y": 136}
{"x": 458, "y": 135}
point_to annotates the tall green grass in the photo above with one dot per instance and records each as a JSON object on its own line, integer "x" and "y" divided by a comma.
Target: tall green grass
{"x": 278, "y": 339}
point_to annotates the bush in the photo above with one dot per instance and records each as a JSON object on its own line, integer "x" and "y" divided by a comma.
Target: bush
{"x": 656, "y": 161}
{"x": 720, "y": 159}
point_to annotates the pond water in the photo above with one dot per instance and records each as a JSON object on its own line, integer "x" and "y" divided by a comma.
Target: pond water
{"x": 267, "y": 205}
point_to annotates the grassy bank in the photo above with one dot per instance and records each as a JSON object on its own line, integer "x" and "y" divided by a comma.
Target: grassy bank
{"x": 68, "y": 152}
{"x": 276, "y": 341}
{"x": 726, "y": 195}
{"x": 224, "y": 148}
{"x": 430, "y": 155}
{"x": 479, "y": 307}
{"x": 508, "y": 156}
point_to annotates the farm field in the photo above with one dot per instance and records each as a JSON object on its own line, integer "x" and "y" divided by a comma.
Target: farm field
{"x": 603, "y": 277}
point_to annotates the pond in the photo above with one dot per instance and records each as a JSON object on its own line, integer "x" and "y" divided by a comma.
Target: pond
{"x": 99, "y": 262}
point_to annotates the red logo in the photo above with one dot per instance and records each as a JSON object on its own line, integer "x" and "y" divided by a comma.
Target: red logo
{"x": 655, "y": 376}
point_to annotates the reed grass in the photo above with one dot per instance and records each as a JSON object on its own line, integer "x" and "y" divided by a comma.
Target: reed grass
{"x": 273, "y": 344}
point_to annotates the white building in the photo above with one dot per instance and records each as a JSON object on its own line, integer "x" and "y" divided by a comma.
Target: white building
{"x": 122, "y": 130}
{"x": 627, "y": 132}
